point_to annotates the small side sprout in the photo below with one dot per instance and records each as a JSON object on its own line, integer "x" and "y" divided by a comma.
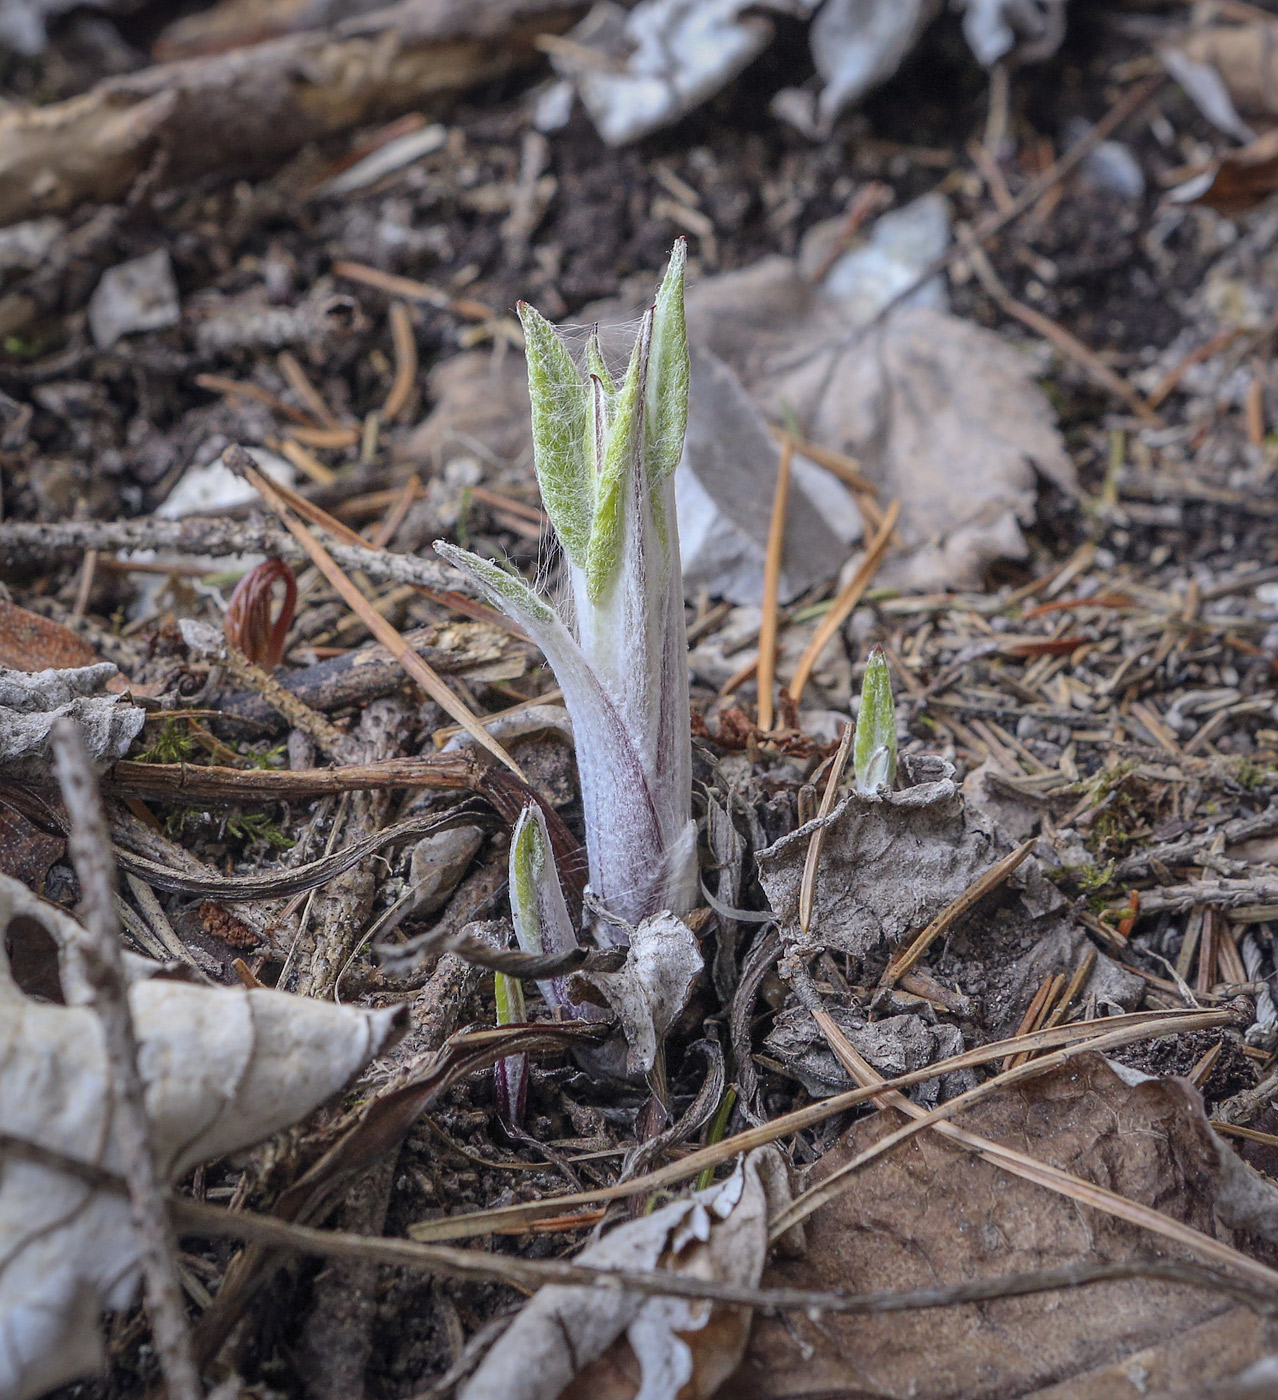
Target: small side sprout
{"x": 537, "y": 905}
{"x": 874, "y": 748}
{"x": 511, "y": 1073}
{"x": 605, "y": 454}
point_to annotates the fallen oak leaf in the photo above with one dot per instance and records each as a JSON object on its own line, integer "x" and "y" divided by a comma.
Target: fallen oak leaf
{"x": 222, "y": 1068}
{"x": 932, "y": 1216}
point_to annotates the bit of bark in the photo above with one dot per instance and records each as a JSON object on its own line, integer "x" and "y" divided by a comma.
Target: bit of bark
{"x": 299, "y": 714}
{"x": 96, "y": 977}
{"x": 372, "y": 672}
{"x": 180, "y": 782}
{"x": 344, "y": 908}
{"x": 27, "y": 547}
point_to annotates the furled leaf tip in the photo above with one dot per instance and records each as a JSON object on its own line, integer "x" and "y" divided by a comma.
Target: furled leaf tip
{"x": 874, "y": 748}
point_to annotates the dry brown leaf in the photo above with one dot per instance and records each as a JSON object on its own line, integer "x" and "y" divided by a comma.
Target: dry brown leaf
{"x": 26, "y": 852}
{"x": 601, "y": 1344}
{"x": 225, "y": 109}
{"x": 223, "y": 1068}
{"x": 929, "y": 1214}
{"x": 1239, "y": 180}
{"x": 29, "y": 642}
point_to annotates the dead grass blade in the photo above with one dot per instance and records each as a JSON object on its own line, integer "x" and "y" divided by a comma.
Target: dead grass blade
{"x": 848, "y": 598}
{"x": 429, "y": 680}
{"x": 1137, "y": 1026}
{"x": 771, "y": 584}
{"x": 992, "y": 878}
{"x": 1019, "y": 1163}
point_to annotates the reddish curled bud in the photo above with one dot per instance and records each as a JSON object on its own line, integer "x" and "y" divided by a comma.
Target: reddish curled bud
{"x": 248, "y": 618}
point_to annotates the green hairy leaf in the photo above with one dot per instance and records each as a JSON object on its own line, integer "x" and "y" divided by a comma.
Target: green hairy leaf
{"x": 668, "y": 373}
{"x": 874, "y": 747}
{"x": 527, "y": 861}
{"x": 621, "y": 446}
{"x": 507, "y": 590}
{"x": 563, "y": 432}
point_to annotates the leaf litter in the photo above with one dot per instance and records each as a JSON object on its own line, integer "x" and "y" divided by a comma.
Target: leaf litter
{"x": 1074, "y": 608}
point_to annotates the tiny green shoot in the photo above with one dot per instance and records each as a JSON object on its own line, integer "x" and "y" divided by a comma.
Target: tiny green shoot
{"x": 874, "y": 748}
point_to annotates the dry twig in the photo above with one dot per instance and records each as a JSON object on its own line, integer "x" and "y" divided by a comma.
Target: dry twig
{"x": 95, "y": 975}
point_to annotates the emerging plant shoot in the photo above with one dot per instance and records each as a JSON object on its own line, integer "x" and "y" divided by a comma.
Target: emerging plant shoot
{"x": 874, "y": 748}
{"x": 537, "y": 905}
{"x": 605, "y": 456}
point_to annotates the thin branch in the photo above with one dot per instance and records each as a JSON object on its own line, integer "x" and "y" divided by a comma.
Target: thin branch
{"x": 96, "y": 976}
{"x": 27, "y": 545}
{"x": 451, "y": 1262}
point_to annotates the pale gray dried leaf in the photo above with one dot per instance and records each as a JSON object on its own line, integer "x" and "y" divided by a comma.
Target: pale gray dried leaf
{"x": 895, "y": 1045}
{"x": 662, "y": 58}
{"x": 1028, "y": 30}
{"x": 438, "y": 862}
{"x": 30, "y": 701}
{"x": 719, "y": 1234}
{"x": 856, "y": 45}
{"x": 723, "y": 493}
{"x": 223, "y": 1068}
{"x": 1059, "y": 949}
{"x": 138, "y": 295}
{"x": 941, "y": 413}
{"x": 891, "y": 862}
{"x": 477, "y": 400}
{"x": 204, "y": 641}
{"x": 652, "y": 988}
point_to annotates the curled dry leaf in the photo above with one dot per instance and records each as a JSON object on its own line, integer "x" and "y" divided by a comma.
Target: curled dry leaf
{"x": 894, "y": 1045}
{"x": 930, "y": 1215}
{"x": 223, "y": 1069}
{"x": 914, "y": 852}
{"x": 31, "y": 700}
{"x": 606, "y": 1344}
{"x": 1229, "y": 71}
{"x": 662, "y": 963}
{"x": 1027, "y": 30}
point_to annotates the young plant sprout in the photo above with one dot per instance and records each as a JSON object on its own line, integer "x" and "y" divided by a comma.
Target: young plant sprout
{"x": 605, "y": 455}
{"x": 874, "y": 748}
{"x": 511, "y": 1073}
{"x": 537, "y": 905}
{"x": 248, "y": 622}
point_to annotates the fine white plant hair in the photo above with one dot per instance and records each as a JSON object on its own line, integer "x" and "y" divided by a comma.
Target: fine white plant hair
{"x": 605, "y": 452}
